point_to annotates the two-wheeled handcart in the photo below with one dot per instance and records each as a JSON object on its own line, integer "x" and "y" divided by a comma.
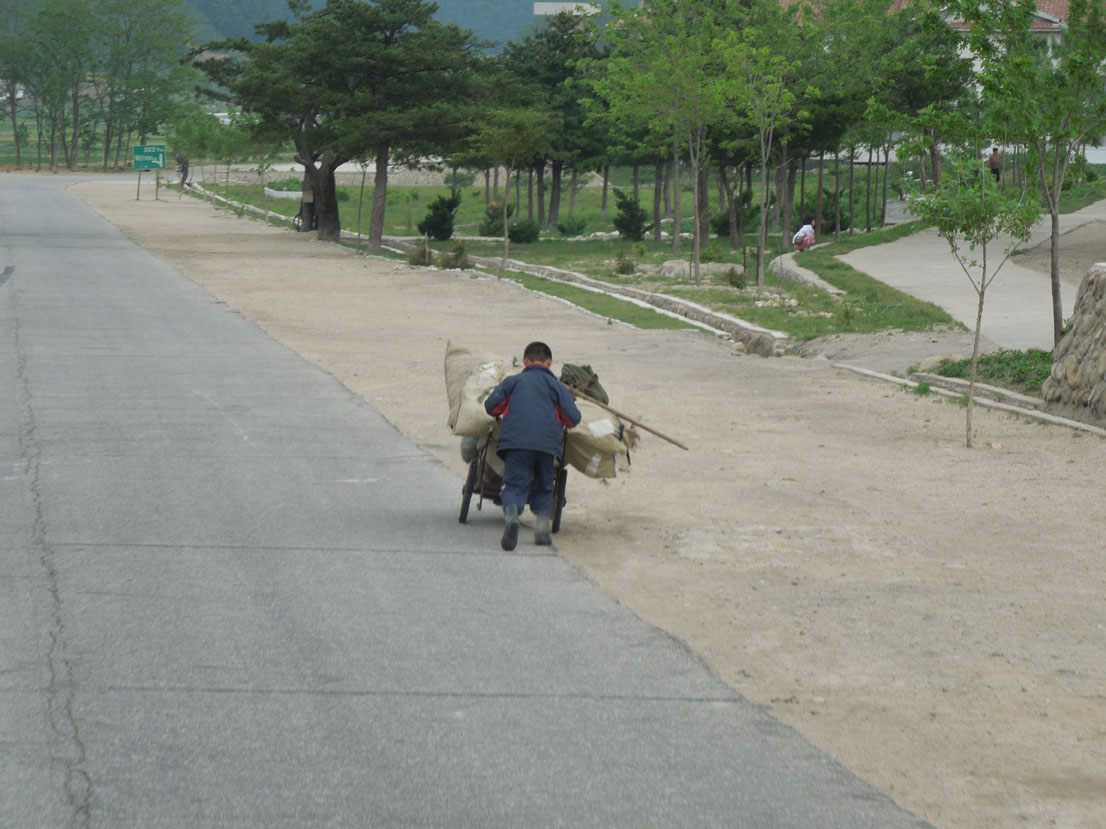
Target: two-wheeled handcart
{"x": 485, "y": 480}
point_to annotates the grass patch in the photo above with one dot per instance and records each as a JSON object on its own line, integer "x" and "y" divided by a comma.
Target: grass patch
{"x": 1020, "y": 371}
{"x": 1083, "y": 194}
{"x": 601, "y": 304}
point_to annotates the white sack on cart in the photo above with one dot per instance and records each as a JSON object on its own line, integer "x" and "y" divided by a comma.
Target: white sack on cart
{"x": 469, "y": 379}
{"x": 595, "y": 447}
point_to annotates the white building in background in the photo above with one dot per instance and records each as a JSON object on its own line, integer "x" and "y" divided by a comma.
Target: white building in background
{"x": 551, "y": 9}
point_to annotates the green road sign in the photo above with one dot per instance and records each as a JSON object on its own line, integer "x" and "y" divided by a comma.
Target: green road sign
{"x": 149, "y": 157}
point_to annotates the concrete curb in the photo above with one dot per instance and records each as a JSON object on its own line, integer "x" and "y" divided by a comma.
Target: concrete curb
{"x": 785, "y": 268}
{"x": 1033, "y": 414}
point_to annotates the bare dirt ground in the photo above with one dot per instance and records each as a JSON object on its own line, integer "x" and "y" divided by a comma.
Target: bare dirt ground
{"x": 933, "y": 616}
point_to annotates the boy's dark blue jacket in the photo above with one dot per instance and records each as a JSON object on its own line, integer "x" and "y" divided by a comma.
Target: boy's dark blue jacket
{"x": 535, "y": 405}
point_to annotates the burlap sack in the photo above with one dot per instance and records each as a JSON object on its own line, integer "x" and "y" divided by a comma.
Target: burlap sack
{"x": 595, "y": 447}
{"x": 469, "y": 379}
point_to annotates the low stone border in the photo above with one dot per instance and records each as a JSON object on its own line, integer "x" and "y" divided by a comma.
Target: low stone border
{"x": 785, "y": 268}
{"x": 761, "y": 341}
{"x": 981, "y": 401}
{"x": 959, "y": 386}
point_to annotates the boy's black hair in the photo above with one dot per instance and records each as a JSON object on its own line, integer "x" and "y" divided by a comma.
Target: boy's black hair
{"x": 537, "y": 352}
{"x": 808, "y": 218}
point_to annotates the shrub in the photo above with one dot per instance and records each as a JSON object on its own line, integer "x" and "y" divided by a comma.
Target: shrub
{"x": 440, "y": 213}
{"x": 420, "y": 255}
{"x": 459, "y": 178}
{"x": 711, "y": 253}
{"x": 720, "y": 220}
{"x": 524, "y": 231}
{"x": 492, "y": 225}
{"x": 736, "y": 278}
{"x": 630, "y": 221}
{"x": 623, "y": 264}
{"x": 285, "y": 184}
{"x": 456, "y": 257}
{"x": 572, "y": 226}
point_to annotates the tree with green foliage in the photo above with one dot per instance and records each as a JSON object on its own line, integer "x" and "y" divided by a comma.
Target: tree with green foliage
{"x": 765, "y": 88}
{"x": 140, "y": 79}
{"x": 1044, "y": 94}
{"x": 506, "y": 137}
{"x": 663, "y": 70}
{"x": 971, "y": 211}
{"x": 381, "y": 80}
{"x": 15, "y": 58}
{"x": 546, "y": 63}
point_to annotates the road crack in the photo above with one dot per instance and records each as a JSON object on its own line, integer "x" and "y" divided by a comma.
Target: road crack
{"x": 69, "y": 754}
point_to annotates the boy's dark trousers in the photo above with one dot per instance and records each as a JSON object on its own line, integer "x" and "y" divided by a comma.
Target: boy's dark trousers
{"x": 528, "y": 476}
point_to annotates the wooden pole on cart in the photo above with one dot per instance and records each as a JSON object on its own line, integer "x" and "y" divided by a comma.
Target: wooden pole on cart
{"x": 638, "y": 423}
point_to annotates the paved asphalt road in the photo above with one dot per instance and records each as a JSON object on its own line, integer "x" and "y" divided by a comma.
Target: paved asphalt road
{"x": 232, "y": 594}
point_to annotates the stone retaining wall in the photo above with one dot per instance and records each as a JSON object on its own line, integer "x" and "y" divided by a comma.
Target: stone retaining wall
{"x": 1076, "y": 387}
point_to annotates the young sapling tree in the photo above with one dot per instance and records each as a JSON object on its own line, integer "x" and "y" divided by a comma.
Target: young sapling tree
{"x": 971, "y": 212}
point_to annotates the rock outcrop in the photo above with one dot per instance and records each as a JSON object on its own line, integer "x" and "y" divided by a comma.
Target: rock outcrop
{"x": 1076, "y": 387}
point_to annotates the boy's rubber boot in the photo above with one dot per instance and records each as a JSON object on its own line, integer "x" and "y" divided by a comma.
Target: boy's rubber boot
{"x": 543, "y": 530}
{"x": 510, "y": 527}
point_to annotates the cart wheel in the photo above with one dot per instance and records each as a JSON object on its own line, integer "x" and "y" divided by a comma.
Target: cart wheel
{"x": 467, "y": 490}
{"x": 559, "y": 497}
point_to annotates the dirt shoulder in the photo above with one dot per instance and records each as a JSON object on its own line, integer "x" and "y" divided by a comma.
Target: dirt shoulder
{"x": 933, "y": 616}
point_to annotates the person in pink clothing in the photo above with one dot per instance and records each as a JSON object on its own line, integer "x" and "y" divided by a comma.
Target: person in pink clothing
{"x": 805, "y": 237}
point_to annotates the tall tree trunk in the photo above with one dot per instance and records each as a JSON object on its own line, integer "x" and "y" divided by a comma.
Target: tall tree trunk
{"x": 506, "y": 230}
{"x": 837, "y": 195}
{"x": 72, "y": 155}
{"x": 788, "y": 227}
{"x": 555, "y": 177}
{"x": 886, "y": 175}
{"x": 487, "y": 187}
{"x": 676, "y": 195}
{"x": 868, "y": 195}
{"x": 668, "y": 190}
{"x": 935, "y": 160}
{"x": 696, "y": 157}
{"x": 13, "y": 114}
{"x": 852, "y": 190}
{"x": 703, "y": 199}
{"x": 818, "y": 201}
{"x": 380, "y": 203}
{"x": 572, "y": 182}
{"x": 539, "y": 168}
{"x": 658, "y": 197}
{"x": 802, "y": 185}
{"x": 1054, "y": 276}
{"x": 530, "y": 194}
{"x": 741, "y": 206}
{"x": 782, "y": 199}
{"x": 606, "y": 184}
{"x": 728, "y": 196}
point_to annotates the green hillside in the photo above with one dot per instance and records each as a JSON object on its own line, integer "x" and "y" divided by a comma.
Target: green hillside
{"x": 493, "y": 20}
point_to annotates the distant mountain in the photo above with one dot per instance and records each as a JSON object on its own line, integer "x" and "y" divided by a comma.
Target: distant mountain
{"x": 493, "y": 20}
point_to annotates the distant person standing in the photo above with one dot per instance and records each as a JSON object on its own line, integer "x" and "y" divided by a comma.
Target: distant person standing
{"x": 995, "y": 163}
